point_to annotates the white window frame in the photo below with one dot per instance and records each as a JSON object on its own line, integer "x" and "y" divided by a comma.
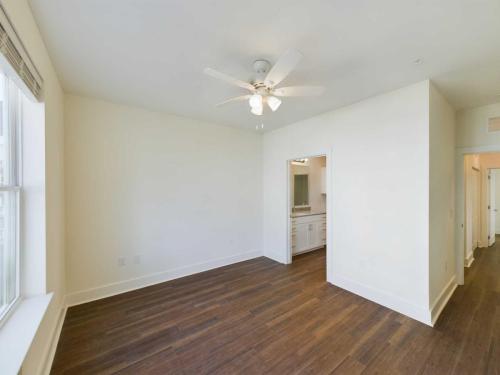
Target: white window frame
{"x": 14, "y": 118}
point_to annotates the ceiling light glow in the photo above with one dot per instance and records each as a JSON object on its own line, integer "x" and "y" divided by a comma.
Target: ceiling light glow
{"x": 255, "y": 101}
{"x": 257, "y": 111}
{"x": 273, "y": 103}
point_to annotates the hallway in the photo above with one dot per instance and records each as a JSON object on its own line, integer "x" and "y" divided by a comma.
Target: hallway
{"x": 259, "y": 317}
{"x": 467, "y": 336}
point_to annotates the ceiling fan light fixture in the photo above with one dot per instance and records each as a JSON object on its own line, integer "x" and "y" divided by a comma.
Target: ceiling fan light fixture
{"x": 262, "y": 91}
{"x": 255, "y": 101}
{"x": 273, "y": 103}
{"x": 257, "y": 110}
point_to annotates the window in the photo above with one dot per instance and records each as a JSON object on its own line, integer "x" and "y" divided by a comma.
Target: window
{"x": 9, "y": 193}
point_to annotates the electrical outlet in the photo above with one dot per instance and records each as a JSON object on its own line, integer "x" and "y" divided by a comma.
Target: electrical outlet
{"x": 121, "y": 261}
{"x": 137, "y": 259}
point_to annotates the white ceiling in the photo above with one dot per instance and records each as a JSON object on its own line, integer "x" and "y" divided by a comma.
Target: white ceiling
{"x": 151, "y": 53}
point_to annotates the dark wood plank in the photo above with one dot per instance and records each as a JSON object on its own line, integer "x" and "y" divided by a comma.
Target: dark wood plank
{"x": 261, "y": 317}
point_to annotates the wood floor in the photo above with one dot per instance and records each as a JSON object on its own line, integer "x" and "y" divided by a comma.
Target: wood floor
{"x": 260, "y": 317}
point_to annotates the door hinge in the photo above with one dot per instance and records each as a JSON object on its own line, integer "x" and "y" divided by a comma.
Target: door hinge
{"x": 489, "y": 207}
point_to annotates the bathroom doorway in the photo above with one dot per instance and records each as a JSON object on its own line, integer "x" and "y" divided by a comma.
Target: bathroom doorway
{"x": 307, "y": 207}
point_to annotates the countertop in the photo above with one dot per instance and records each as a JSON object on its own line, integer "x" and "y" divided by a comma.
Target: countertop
{"x": 306, "y": 213}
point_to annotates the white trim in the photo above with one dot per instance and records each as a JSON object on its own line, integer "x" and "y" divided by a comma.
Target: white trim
{"x": 383, "y": 298}
{"x": 469, "y": 260}
{"x": 10, "y": 188}
{"x": 478, "y": 150}
{"x": 7, "y": 312}
{"x": 327, "y": 154}
{"x": 54, "y": 340}
{"x": 112, "y": 289}
{"x": 442, "y": 300}
{"x": 18, "y": 332}
{"x": 12, "y": 115}
{"x": 277, "y": 257}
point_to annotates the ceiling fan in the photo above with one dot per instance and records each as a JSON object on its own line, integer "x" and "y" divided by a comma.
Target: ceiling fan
{"x": 263, "y": 88}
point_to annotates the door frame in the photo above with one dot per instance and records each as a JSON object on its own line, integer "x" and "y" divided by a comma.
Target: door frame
{"x": 496, "y": 172}
{"x": 492, "y": 208}
{"x": 329, "y": 202}
{"x": 460, "y": 204}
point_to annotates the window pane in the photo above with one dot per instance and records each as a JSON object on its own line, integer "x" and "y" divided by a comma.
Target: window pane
{"x": 9, "y": 195}
{"x": 4, "y": 133}
{"x": 8, "y": 248}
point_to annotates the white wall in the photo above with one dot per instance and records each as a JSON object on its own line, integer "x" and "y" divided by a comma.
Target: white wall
{"x": 441, "y": 194}
{"x": 472, "y": 202}
{"x": 380, "y": 195}
{"x": 317, "y": 200}
{"x": 472, "y": 126}
{"x": 472, "y": 137}
{"x": 472, "y": 133}
{"x": 183, "y": 195}
{"x": 21, "y": 16}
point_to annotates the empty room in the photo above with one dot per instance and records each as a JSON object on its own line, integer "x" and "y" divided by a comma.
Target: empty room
{"x": 265, "y": 187}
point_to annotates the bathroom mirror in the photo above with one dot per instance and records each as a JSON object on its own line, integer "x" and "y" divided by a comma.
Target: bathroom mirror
{"x": 301, "y": 190}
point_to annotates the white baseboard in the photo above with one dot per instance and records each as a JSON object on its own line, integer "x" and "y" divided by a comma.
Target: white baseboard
{"x": 443, "y": 298}
{"x": 388, "y": 300}
{"x": 49, "y": 358}
{"x": 276, "y": 257}
{"x": 469, "y": 260}
{"x": 112, "y": 289}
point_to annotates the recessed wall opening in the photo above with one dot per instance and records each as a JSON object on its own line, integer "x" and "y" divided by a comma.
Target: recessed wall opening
{"x": 307, "y": 208}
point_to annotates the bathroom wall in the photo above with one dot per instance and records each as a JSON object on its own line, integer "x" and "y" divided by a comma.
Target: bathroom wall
{"x": 317, "y": 200}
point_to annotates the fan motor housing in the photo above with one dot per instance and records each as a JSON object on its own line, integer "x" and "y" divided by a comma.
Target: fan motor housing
{"x": 261, "y": 68}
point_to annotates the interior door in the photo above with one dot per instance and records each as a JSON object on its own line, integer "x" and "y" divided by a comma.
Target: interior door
{"x": 492, "y": 208}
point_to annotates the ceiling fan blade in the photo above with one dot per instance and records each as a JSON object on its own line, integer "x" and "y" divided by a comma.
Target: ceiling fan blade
{"x": 299, "y": 91}
{"x": 215, "y": 74}
{"x": 235, "y": 99}
{"x": 283, "y": 67}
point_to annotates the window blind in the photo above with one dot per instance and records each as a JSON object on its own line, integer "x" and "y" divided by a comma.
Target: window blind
{"x": 14, "y": 52}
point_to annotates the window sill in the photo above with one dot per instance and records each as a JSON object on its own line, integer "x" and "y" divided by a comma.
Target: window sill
{"x": 17, "y": 333}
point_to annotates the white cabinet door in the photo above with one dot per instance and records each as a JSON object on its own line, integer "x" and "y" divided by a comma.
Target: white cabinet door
{"x": 315, "y": 235}
{"x": 301, "y": 238}
{"x": 308, "y": 233}
{"x": 320, "y": 233}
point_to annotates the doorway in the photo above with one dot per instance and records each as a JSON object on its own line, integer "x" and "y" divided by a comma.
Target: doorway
{"x": 492, "y": 210}
{"x": 494, "y": 201}
{"x": 472, "y": 175}
{"x": 479, "y": 197}
{"x": 307, "y": 214}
